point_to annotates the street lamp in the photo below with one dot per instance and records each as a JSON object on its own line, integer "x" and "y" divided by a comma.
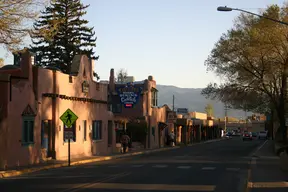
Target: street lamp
{"x": 225, "y": 9}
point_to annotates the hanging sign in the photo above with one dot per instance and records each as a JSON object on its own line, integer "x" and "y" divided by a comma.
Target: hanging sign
{"x": 129, "y": 94}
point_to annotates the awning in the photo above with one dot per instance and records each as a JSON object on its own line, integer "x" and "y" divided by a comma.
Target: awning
{"x": 162, "y": 125}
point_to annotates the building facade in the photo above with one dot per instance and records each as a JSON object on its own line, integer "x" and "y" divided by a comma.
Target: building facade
{"x": 138, "y": 101}
{"x": 32, "y": 102}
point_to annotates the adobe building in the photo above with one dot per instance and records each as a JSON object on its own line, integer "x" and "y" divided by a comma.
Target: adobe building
{"x": 32, "y": 102}
{"x": 194, "y": 127}
{"x": 137, "y": 102}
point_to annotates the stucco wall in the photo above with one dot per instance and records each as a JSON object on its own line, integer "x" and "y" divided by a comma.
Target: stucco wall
{"x": 84, "y": 110}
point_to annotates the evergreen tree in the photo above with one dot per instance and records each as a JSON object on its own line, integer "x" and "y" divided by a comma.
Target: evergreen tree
{"x": 60, "y": 33}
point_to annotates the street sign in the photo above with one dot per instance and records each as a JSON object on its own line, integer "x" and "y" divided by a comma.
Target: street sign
{"x": 68, "y": 134}
{"x": 68, "y": 118}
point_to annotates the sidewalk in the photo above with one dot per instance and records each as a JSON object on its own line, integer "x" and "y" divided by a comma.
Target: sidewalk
{"x": 78, "y": 161}
{"x": 266, "y": 175}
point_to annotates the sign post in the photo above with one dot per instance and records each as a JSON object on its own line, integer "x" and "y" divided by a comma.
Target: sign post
{"x": 68, "y": 118}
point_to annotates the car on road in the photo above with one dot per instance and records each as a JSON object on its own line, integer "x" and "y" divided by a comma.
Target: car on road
{"x": 247, "y": 136}
{"x": 228, "y": 135}
{"x": 263, "y": 135}
{"x": 254, "y": 135}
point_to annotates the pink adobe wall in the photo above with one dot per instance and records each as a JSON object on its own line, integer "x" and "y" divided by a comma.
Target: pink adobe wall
{"x": 4, "y": 99}
{"x": 158, "y": 115}
{"x": 22, "y": 95}
{"x": 84, "y": 110}
{"x": 22, "y": 91}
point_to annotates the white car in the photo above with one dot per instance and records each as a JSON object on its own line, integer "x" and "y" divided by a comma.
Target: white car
{"x": 263, "y": 135}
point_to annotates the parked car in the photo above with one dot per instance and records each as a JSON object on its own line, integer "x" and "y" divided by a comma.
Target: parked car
{"x": 228, "y": 135}
{"x": 247, "y": 136}
{"x": 254, "y": 135}
{"x": 263, "y": 135}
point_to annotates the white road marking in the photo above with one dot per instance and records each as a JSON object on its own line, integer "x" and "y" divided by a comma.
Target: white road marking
{"x": 232, "y": 169}
{"x": 184, "y": 167}
{"x": 137, "y": 165}
{"x": 269, "y": 157}
{"x": 208, "y": 168}
{"x": 160, "y": 166}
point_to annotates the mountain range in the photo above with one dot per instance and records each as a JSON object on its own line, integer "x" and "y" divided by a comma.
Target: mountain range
{"x": 192, "y": 99}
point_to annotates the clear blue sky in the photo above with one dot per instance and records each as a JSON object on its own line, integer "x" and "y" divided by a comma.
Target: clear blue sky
{"x": 169, "y": 39}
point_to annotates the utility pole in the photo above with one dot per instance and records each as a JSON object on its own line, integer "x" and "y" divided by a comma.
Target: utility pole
{"x": 246, "y": 120}
{"x": 225, "y": 118}
{"x": 173, "y": 103}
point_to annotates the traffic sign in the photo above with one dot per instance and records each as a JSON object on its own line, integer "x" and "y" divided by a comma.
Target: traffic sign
{"x": 68, "y": 118}
{"x": 68, "y": 134}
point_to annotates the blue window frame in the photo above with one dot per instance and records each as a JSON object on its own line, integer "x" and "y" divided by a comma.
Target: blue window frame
{"x": 97, "y": 130}
{"x": 27, "y": 130}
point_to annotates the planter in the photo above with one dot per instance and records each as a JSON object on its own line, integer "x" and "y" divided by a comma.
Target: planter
{"x": 119, "y": 148}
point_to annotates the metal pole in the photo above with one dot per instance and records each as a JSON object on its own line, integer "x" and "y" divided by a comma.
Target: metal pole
{"x": 173, "y": 103}
{"x": 225, "y": 118}
{"x": 69, "y": 162}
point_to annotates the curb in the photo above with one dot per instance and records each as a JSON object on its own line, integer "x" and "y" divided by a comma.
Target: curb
{"x": 13, "y": 173}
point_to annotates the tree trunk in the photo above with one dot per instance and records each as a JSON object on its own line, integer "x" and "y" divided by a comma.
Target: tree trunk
{"x": 282, "y": 130}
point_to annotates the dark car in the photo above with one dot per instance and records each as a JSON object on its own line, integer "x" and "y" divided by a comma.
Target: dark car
{"x": 254, "y": 134}
{"x": 228, "y": 135}
{"x": 247, "y": 136}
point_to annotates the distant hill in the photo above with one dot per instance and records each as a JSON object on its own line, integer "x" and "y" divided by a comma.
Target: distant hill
{"x": 191, "y": 98}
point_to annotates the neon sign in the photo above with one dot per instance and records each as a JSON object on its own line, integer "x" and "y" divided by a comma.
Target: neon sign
{"x": 129, "y": 95}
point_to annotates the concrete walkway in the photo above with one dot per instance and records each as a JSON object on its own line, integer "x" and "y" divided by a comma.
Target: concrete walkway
{"x": 56, "y": 164}
{"x": 265, "y": 172}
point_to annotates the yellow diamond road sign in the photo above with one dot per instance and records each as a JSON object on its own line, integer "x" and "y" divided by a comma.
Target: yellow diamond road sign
{"x": 68, "y": 118}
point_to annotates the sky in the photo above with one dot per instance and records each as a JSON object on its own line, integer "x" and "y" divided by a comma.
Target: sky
{"x": 168, "y": 39}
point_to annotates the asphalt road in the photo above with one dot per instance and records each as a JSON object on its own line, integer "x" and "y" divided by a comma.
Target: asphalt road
{"x": 218, "y": 166}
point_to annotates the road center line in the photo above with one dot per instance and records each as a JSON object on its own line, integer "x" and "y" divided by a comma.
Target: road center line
{"x": 81, "y": 186}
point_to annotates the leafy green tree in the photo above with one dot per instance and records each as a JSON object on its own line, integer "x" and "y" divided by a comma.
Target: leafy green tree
{"x": 60, "y": 33}
{"x": 252, "y": 59}
{"x": 209, "y": 110}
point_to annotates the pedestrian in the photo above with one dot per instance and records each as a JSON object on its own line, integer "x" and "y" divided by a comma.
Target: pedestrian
{"x": 172, "y": 138}
{"x": 125, "y": 139}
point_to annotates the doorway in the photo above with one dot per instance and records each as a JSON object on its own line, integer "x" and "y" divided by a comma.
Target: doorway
{"x": 110, "y": 133}
{"x": 46, "y": 136}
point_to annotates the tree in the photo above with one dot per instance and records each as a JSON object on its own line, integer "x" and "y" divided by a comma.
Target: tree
{"x": 13, "y": 21}
{"x": 252, "y": 59}
{"x": 1, "y": 62}
{"x": 121, "y": 75}
{"x": 60, "y": 33}
{"x": 209, "y": 110}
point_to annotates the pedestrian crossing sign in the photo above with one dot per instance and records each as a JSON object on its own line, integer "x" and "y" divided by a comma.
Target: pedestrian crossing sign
{"x": 68, "y": 118}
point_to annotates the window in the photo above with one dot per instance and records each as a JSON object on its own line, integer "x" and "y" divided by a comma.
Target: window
{"x": 28, "y": 130}
{"x": 97, "y": 130}
{"x": 117, "y": 108}
{"x": 154, "y": 98}
{"x": 84, "y": 130}
{"x": 73, "y": 129}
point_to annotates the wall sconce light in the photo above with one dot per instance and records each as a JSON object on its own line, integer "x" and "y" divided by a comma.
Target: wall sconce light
{"x": 79, "y": 128}
{"x": 59, "y": 127}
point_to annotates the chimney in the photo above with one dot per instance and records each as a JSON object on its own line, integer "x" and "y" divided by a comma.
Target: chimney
{"x": 112, "y": 80}
{"x": 92, "y": 67}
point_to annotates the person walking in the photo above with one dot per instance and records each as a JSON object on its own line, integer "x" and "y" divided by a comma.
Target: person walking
{"x": 125, "y": 139}
{"x": 172, "y": 138}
